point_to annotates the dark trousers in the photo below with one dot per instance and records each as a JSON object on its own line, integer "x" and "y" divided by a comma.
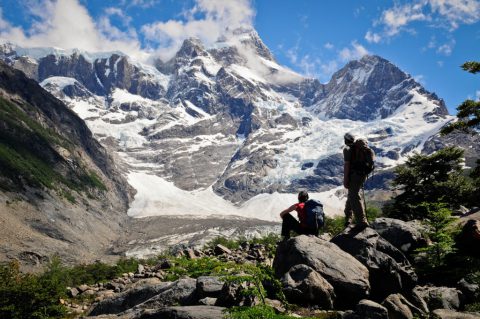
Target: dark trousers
{"x": 289, "y": 223}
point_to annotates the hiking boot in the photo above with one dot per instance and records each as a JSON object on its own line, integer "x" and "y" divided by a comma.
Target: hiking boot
{"x": 347, "y": 224}
{"x": 362, "y": 225}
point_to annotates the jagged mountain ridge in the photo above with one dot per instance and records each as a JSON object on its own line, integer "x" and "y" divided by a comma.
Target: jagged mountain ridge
{"x": 60, "y": 192}
{"x": 229, "y": 117}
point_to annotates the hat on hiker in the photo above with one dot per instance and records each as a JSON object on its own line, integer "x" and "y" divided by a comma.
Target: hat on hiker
{"x": 349, "y": 138}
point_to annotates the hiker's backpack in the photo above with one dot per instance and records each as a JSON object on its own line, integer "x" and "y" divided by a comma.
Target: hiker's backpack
{"x": 314, "y": 214}
{"x": 363, "y": 157}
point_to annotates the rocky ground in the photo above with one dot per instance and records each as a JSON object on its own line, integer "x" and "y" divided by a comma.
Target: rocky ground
{"x": 360, "y": 273}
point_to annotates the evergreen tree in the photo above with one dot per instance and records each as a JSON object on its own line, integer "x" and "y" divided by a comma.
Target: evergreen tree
{"x": 431, "y": 179}
{"x": 469, "y": 111}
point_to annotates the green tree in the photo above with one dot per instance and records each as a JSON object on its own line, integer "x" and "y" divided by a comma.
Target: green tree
{"x": 429, "y": 178}
{"x": 469, "y": 111}
{"x": 440, "y": 231}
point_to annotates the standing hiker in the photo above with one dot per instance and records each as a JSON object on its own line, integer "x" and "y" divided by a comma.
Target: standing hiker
{"x": 358, "y": 163}
{"x": 305, "y": 225}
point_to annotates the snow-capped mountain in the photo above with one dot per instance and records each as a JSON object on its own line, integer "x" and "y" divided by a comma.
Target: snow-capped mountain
{"x": 227, "y": 124}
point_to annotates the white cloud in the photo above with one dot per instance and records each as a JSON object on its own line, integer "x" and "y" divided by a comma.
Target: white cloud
{"x": 355, "y": 52}
{"x": 328, "y": 46}
{"x": 67, "y": 24}
{"x": 420, "y": 79}
{"x": 457, "y": 12}
{"x": 440, "y": 63}
{"x": 217, "y": 18}
{"x": 399, "y": 16}
{"x": 477, "y": 95}
{"x": 139, "y": 3}
{"x": 440, "y": 13}
{"x": 446, "y": 49}
{"x": 372, "y": 37}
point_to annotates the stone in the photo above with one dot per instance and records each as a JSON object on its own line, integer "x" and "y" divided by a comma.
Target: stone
{"x": 209, "y": 286}
{"x": 83, "y": 288}
{"x": 190, "y": 253}
{"x": 234, "y": 294}
{"x": 347, "y": 275}
{"x": 451, "y": 314}
{"x": 140, "y": 269}
{"x": 400, "y": 308}
{"x": 220, "y": 250}
{"x": 185, "y": 312}
{"x": 304, "y": 286}
{"x": 207, "y": 301}
{"x": 181, "y": 292}
{"x": 440, "y": 297}
{"x": 390, "y": 271}
{"x": 140, "y": 292}
{"x": 405, "y": 236}
{"x": 73, "y": 292}
{"x": 469, "y": 290}
{"x": 369, "y": 309}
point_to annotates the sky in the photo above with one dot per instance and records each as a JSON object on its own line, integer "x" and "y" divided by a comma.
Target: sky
{"x": 429, "y": 39}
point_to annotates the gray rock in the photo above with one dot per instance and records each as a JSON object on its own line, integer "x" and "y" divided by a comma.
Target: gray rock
{"x": 348, "y": 277}
{"x": 142, "y": 291}
{"x": 304, "y": 286}
{"x": 400, "y": 308}
{"x": 186, "y": 312}
{"x": 208, "y": 286}
{"x": 440, "y": 297}
{"x": 181, "y": 292}
{"x": 220, "y": 250}
{"x": 451, "y": 314}
{"x": 236, "y": 294}
{"x": 390, "y": 271}
{"x": 208, "y": 301}
{"x": 369, "y": 309}
{"x": 469, "y": 290}
{"x": 405, "y": 236}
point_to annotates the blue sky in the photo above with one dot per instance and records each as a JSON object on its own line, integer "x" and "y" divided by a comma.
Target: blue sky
{"x": 428, "y": 39}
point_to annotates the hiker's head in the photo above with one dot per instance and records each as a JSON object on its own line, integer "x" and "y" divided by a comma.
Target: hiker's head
{"x": 302, "y": 197}
{"x": 349, "y": 139}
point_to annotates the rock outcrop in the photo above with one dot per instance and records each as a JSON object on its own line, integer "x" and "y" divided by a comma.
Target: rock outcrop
{"x": 348, "y": 276}
{"x": 389, "y": 269}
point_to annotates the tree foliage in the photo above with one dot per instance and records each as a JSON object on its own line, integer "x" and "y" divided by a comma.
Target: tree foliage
{"x": 469, "y": 111}
{"x": 430, "y": 178}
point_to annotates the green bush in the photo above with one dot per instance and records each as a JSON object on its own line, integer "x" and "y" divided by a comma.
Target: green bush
{"x": 256, "y": 312}
{"x": 30, "y": 296}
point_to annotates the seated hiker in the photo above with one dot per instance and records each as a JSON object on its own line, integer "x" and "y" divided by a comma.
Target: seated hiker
{"x": 302, "y": 226}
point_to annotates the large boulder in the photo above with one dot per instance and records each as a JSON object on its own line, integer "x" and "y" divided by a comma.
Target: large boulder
{"x": 237, "y": 294}
{"x": 406, "y": 236}
{"x": 400, "y": 308}
{"x": 185, "y": 312}
{"x": 209, "y": 286}
{"x": 468, "y": 240}
{"x": 348, "y": 277}
{"x": 451, "y": 314}
{"x": 140, "y": 292}
{"x": 367, "y": 309}
{"x": 181, "y": 292}
{"x": 440, "y": 297}
{"x": 304, "y": 286}
{"x": 390, "y": 271}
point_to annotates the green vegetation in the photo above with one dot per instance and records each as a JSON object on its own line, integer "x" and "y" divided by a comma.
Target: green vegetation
{"x": 37, "y": 296}
{"x": 430, "y": 179}
{"x": 28, "y": 155}
{"x": 440, "y": 230}
{"x": 469, "y": 111}
{"x": 256, "y": 312}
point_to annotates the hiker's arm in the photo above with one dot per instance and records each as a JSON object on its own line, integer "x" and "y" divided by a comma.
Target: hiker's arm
{"x": 288, "y": 210}
{"x": 346, "y": 173}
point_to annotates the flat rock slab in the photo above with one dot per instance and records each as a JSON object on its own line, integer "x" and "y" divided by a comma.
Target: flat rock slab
{"x": 186, "y": 312}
